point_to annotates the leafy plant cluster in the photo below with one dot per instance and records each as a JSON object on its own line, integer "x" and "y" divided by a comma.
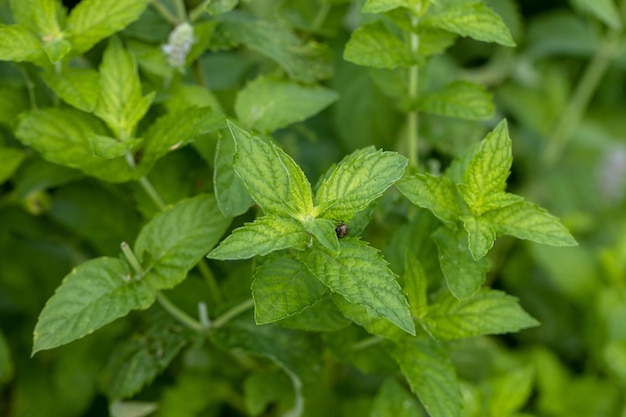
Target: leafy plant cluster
{"x": 301, "y": 208}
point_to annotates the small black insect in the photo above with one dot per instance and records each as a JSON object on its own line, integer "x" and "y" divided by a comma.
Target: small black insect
{"x": 341, "y": 230}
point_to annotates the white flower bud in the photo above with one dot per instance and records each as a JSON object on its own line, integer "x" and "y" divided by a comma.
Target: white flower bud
{"x": 178, "y": 45}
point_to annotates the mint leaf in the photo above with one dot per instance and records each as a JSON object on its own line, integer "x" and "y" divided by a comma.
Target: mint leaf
{"x": 267, "y": 105}
{"x": 272, "y": 178}
{"x": 460, "y": 99}
{"x": 358, "y": 180}
{"x": 528, "y": 221}
{"x": 283, "y": 287}
{"x": 468, "y": 18}
{"x": 372, "y": 45}
{"x": 487, "y": 172}
{"x": 464, "y": 275}
{"x": 176, "y": 239}
{"x": 93, "y": 20}
{"x": 324, "y": 232}
{"x": 481, "y": 235}
{"x": 136, "y": 362}
{"x": 264, "y": 235}
{"x": 92, "y": 295}
{"x": 369, "y": 320}
{"x": 263, "y": 388}
{"x": 381, "y": 6}
{"x": 394, "y": 400}
{"x": 120, "y": 104}
{"x": 430, "y": 374}
{"x": 106, "y": 147}
{"x": 415, "y": 285}
{"x": 78, "y": 87}
{"x": 231, "y": 193}
{"x": 437, "y": 194}
{"x": 13, "y": 101}
{"x": 19, "y": 44}
{"x": 174, "y": 130}
{"x": 305, "y": 62}
{"x": 486, "y": 312}
{"x": 10, "y": 160}
{"x": 62, "y": 136}
{"x": 361, "y": 275}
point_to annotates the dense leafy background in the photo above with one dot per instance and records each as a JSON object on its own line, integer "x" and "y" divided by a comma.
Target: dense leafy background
{"x": 561, "y": 90}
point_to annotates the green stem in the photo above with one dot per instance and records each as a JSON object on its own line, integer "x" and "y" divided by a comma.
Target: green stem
{"x": 412, "y": 136}
{"x": 181, "y": 11}
{"x": 232, "y": 313}
{"x": 209, "y": 278}
{"x": 30, "y": 88}
{"x": 320, "y": 17}
{"x": 366, "y": 343}
{"x": 179, "y": 314}
{"x": 131, "y": 258}
{"x": 149, "y": 189}
{"x": 163, "y": 11}
{"x": 575, "y": 109}
{"x": 199, "y": 10}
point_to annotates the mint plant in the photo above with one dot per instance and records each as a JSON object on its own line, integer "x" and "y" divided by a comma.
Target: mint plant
{"x": 291, "y": 208}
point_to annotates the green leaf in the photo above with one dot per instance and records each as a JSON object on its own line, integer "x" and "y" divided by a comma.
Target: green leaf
{"x": 176, "y": 239}
{"x": 511, "y": 391}
{"x": 78, "y": 87}
{"x": 44, "y": 15}
{"x": 305, "y": 62}
{"x": 231, "y": 193}
{"x": 528, "y": 221}
{"x": 468, "y": 18}
{"x": 322, "y": 316}
{"x": 361, "y": 275}
{"x": 93, "y": 20}
{"x": 459, "y": 99}
{"x": 272, "y": 178}
{"x": 264, "y": 235}
{"x": 10, "y": 160}
{"x": 264, "y": 388}
{"x": 393, "y": 399}
{"x": 486, "y": 174}
{"x": 368, "y": 319}
{"x": 486, "y": 312}
{"x": 437, "y": 194}
{"x": 324, "y": 232}
{"x": 175, "y": 130}
{"x": 19, "y": 44}
{"x": 358, "y": 180}
{"x": 382, "y": 6}
{"x": 136, "y": 362}
{"x": 283, "y": 287}
{"x": 62, "y": 136}
{"x": 57, "y": 49}
{"x": 464, "y": 275}
{"x": 481, "y": 235}
{"x": 221, "y": 6}
{"x": 372, "y": 45}
{"x": 107, "y": 147}
{"x": 430, "y": 374}
{"x": 604, "y": 10}
{"x": 415, "y": 285}
{"x": 267, "y": 105}
{"x": 94, "y": 294}
{"x": 120, "y": 104}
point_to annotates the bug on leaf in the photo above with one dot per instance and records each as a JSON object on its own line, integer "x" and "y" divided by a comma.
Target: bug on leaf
{"x": 341, "y": 230}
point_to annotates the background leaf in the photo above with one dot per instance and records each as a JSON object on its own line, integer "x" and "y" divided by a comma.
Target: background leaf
{"x": 460, "y": 99}
{"x": 430, "y": 374}
{"x": 266, "y": 104}
{"x": 487, "y": 312}
{"x": 231, "y": 193}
